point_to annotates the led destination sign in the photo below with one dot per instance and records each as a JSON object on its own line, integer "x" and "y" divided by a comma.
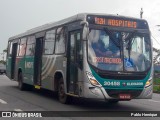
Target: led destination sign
{"x": 116, "y": 22}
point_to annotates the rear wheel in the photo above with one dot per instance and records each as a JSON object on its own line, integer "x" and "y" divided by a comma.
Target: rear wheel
{"x": 21, "y": 85}
{"x": 63, "y": 98}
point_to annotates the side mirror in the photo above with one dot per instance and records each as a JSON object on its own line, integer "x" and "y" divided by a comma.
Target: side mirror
{"x": 85, "y": 30}
{"x": 84, "y": 23}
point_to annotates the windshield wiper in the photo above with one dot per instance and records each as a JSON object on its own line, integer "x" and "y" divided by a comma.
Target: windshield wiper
{"x": 112, "y": 37}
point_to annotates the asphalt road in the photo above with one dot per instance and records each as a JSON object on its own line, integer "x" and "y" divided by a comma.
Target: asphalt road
{"x": 12, "y": 99}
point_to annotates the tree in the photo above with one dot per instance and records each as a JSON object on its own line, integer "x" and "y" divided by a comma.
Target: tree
{"x": 156, "y": 58}
{"x": 2, "y": 62}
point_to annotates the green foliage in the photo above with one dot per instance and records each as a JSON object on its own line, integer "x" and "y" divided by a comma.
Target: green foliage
{"x": 156, "y": 85}
{"x": 156, "y": 88}
{"x": 157, "y": 71}
{"x": 156, "y": 81}
{"x": 2, "y": 62}
{"x": 155, "y": 59}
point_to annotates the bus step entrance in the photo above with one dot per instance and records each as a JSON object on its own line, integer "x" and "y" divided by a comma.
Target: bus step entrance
{"x": 37, "y": 87}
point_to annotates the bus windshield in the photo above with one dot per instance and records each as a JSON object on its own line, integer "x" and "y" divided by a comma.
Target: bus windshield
{"x": 118, "y": 50}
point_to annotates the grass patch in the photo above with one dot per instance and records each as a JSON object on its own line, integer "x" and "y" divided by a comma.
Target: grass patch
{"x": 156, "y": 88}
{"x": 156, "y": 81}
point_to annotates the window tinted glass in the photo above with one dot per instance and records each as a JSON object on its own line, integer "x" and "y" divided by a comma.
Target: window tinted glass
{"x": 103, "y": 52}
{"x": 30, "y": 46}
{"x": 49, "y": 47}
{"x": 60, "y": 41}
{"x": 137, "y": 53}
{"x": 50, "y": 35}
{"x": 10, "y": 48}
{"x": 31, "y": 40}
{"x": 49, "y": 42}
{"x": 22, "y": 47}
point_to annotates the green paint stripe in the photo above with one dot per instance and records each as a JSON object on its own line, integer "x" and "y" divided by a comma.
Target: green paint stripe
{"x": 101, "y": 81}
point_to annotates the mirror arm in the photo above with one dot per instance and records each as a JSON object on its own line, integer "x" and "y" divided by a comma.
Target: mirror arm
{"x": 85, "y": 30}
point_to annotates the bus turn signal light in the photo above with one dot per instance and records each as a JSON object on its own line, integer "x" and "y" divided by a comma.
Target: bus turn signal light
{"x": 94, "y": 82}
{"x": 148, "y": 83}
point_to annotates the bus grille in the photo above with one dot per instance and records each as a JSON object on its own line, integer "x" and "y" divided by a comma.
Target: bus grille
{"x": 121, "y": 77}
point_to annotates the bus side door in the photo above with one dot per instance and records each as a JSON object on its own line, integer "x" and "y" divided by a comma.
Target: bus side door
{"x": 29, "y": 60}
{"x": 38, "y": 61}
{"x": 74, "y": 63}
{"x": 33, "y": 60}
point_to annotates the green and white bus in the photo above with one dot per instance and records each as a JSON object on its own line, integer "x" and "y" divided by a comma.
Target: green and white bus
{"x": 97, "y": 56}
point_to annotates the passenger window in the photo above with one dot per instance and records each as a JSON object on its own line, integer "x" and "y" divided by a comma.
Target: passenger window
{"x": 10, "y": 44}
{"x": 22, "y": 47}
{"x": 30, "y": 46}
{"x": 60, "y": 41}
{"x": 49, "y": 42}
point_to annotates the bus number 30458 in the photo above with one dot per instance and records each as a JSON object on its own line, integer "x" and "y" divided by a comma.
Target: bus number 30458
{"x": 108, "y": 83}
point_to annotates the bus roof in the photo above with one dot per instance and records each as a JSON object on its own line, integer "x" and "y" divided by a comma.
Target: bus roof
{"x": 78, "y": 17}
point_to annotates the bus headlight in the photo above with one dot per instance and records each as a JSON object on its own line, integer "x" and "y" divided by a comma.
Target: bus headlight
{"x": 149, "y": 82}
{"x": 92, "y": 79}
{"x": 94, "y": 82}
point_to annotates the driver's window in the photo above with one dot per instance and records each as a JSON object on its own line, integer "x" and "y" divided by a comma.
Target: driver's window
{"x": 146, "y": 49}
{"x": 137, "y": 44}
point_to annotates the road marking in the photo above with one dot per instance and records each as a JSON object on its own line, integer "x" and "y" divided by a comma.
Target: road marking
{"x": 2, "y": 101}
{"x": 18, "y": 110}
{"x": 154, "y": 101}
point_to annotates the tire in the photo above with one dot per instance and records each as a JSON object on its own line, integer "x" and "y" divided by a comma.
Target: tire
{"x": 21, "y": 85}
{"x": 63, "y": 98}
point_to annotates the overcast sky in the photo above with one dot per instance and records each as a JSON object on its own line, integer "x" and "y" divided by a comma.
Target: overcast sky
{"x": 17, "y": 16}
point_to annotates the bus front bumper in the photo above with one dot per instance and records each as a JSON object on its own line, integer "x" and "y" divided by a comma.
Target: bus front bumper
{"x": 104, "y": 94}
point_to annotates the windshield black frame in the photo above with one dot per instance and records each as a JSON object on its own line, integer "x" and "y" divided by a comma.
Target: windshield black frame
{"x": 132, "y": 33}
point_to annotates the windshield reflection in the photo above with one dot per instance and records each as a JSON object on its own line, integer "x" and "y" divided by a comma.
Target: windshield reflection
{"x": 102, "y": 52}
{"x": 137, "y": 53}
{"x": 105, "y": 50}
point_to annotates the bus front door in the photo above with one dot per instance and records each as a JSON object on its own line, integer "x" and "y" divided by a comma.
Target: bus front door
{"x": 73, "y": 64}
{"x": 38, "y": 61}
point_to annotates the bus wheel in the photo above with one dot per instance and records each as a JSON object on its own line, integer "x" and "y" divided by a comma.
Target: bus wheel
{"x": 63, "y": 98}
{"x": 21, "y": 85}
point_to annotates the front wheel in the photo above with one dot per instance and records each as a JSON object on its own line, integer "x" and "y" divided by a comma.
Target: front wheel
{"x": 63, "y": 98}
